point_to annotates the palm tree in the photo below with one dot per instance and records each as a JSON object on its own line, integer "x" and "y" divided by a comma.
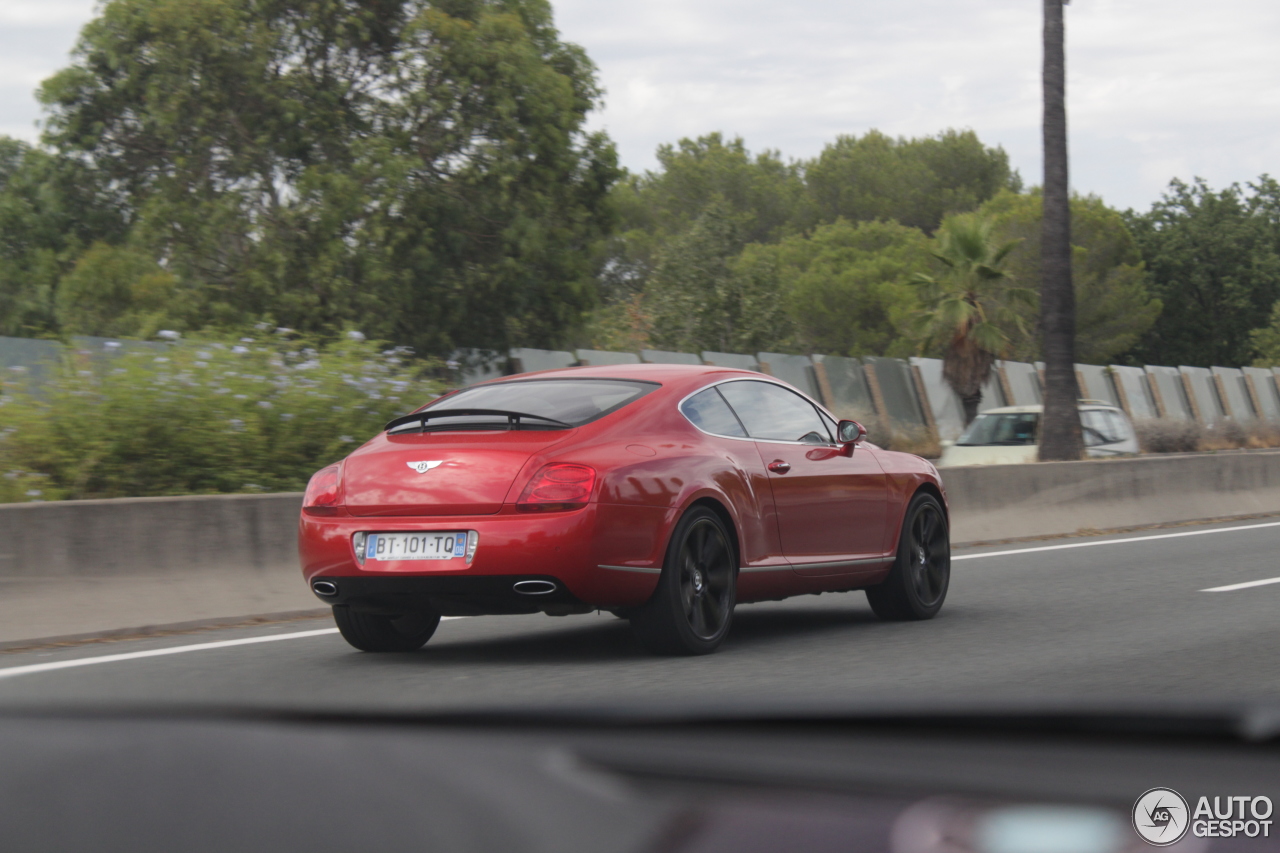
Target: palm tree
{"x": 970, "y": 305}
{"x": 1060, "y": 426}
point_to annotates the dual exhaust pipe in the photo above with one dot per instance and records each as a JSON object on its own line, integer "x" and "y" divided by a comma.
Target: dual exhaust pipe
{"x": 328, "y": 589}
{"x": 534, "y": 587}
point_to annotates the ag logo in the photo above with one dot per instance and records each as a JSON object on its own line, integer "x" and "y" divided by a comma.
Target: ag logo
{"x": 1160, "y": 816}
{"x": 424, "y": 467}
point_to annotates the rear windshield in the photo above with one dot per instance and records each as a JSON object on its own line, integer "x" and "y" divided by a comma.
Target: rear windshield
{"x": 1007, "y": 429}
{"x": 571, "y": 402}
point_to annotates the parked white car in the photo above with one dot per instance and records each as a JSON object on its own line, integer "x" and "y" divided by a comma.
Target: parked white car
{"x": 1011, "y": 435}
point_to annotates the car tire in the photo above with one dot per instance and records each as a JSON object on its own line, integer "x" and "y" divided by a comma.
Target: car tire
{"x": 691, "y": 610}
{"x": 371, "y": 632}
{"x": 917, "y": 584}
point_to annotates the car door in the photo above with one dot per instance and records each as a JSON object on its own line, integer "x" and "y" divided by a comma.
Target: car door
{"x": 1105, "y": 434}
{"x": 830, "y": 507}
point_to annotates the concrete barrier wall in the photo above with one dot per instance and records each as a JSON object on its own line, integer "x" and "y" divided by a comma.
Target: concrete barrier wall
{"x": 1234, "y": 393}
{"x": 1023, "y": 382}
{"x": 893, "y": 387}
{"x": 795, "y": 369}
{"x": 1262, "y": 390}
{"x": 527, "y": 360}
{"x": 247, "y": 535}
{"x": 149, "y": 536}
{"x": 1169, "y": 392}
{"x": 1008, "y": 501}
{"x": 735, "y": 360}
{"x": 1135, "y": 392}
{"x": 598, "y": 358}
{"x": 1096, "y": 383}
{"x": 1202, "y": 391}
{"x": 911, "y": 392}
{"x": 844, "y": 386}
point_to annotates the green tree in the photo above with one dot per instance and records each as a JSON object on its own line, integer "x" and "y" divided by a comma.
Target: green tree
{"x": 912, "y": 181}
{"x": 1114, "y": 306}
{"x": 762, "y": 196}
{"x": 1214, "y": 259}
{"x": 50, "y": 209}
{"x": 420, "y": 167}
{"x": 116, "y": 291}
{"x": 700, "y": 297}
{"x": 846, "y": 287}
{"x": 1266, "y": 341}
{"x": 969, "y": 305}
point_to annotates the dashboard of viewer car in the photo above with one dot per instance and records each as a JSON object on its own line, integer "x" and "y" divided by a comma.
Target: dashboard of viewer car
{"x": 675, "y": 780}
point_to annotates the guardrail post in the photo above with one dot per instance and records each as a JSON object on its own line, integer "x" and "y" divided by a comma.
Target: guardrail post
{"x": 1192, "y": 403}
{"x": 925, "y": 407}
{"x": 1162, "y": 411}
{"x": 1254, "y": 399}
{"x": 1121, "y": 394}
{"x": 1223, "y": 401}
{"x": 877, "y": 396}
{"x": 824, "y": 384}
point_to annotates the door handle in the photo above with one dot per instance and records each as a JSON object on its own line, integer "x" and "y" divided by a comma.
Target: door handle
{"x": 779, "y": 467}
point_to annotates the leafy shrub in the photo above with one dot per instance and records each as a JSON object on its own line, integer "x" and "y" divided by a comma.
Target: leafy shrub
{"x": 200, "y": 417}
{"x": 1172, "y": 436}
{"x": 1225, "y": 435}
{"x": 1168, "y": 436}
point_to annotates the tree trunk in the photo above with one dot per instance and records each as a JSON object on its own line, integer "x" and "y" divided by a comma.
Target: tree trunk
{"x": 1060, "y": 426}
{"x": 966, "y": 367}
{"x": 970, "y": 403}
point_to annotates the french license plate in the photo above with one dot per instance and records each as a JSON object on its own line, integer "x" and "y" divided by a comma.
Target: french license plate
{"x": 437, "y": 545}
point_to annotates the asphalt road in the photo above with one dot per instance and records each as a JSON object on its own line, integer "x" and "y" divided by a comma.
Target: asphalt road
{"x": 1108, "y": 622}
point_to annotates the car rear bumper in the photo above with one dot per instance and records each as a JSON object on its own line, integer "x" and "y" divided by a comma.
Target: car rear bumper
{"x": 599, "y": 556}
{"x": 451, "y": 595}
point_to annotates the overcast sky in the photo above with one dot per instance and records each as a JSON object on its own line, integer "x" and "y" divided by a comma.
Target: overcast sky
{"x": 1157, "y": 88}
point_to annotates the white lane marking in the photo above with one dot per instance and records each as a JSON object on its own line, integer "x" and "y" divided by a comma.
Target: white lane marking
{"x": 1246, "y": 585}
{"x": 1113, "y": 541}
{"x": 151, "y": 653}
{"x": 171, "y": 650}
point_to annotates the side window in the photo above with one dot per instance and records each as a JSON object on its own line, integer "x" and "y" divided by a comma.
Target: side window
{"x": 1118, "y": 426}
{"x": 710, "y": 413}
{"x": 1099, "y": 427}
{"x": 772, "y": 412}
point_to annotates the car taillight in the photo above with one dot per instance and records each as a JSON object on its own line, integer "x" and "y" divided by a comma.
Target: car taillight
{"x": 324, "y": 492}
{"x": 557, "y": 488}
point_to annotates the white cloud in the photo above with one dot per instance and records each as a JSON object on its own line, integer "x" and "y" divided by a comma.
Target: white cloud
{"x": 1179, "y": 88}
{"x": 1156, "y": 90}
{"x": 44, "y": 13}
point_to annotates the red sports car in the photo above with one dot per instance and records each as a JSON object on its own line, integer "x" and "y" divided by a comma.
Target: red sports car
{"x": 666, "y": 494}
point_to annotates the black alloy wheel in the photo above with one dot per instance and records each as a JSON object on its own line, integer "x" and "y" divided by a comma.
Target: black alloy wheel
{"x": 372, "y": 632}
{"x": 917, "y": 583}
{"x": 692, "y": 608}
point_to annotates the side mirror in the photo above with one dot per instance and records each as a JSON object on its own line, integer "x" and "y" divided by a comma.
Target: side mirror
{"x": 849, "y": 433}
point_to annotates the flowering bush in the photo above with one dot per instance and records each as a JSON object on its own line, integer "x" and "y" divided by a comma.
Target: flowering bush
{"x": 203, "y": 416}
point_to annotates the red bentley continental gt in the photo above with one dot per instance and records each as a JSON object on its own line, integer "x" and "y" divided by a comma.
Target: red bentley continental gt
{"x": 666, "y": 494}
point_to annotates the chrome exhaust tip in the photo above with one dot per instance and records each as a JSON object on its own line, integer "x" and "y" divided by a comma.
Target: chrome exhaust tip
{"x": 534, "y": 587}
{"x": 325, "y": 588}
